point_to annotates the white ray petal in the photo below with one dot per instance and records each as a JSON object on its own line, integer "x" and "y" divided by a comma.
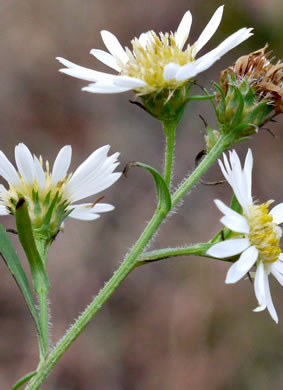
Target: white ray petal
{"x": 277, "y": 213}
{"x": 114, "y": 46}
{"x": 102, "y": 87}
{"x": 278, "y": 265}
{"x": 224, "y": 171}
{"x": 232, "y": 220}
{"x": 83, "y": 73}
{"x": 207, "y": 60}
{"x": 229, "y": 248}
{"x": 268, "y": 300}
{"x": 248, "y": 168}
{"x": 277, "y": 274}
{"x": 106, "y": 58}
{"x": 25, "y": 163}
{"x": 103, "y": 207}
{"x": 39, "y": 172}
{"x": 144, "y": 39}
{"x": 89, "y": 207}
{"x": 259, "y": 287}
{"x": 83, "y": 215}
{"x": 92, "y": 188}
{"x": 94, "y": 175}
{"x": 8, "y": 171}
{"x": 187, "y": 71}
{"x": 3, "y": 210}
{"x": 61, "y": 164}
{"x": 170, "y": 71}
{"x": 183, "y": 31}
{"x": 92, "y": 162}
{"x": 228, "y": 44}
{"x": 269, "y": 303}
{"x": 129, "y": 82}
{"x": 242, "y": 266}
{"x": 209, "y": 30}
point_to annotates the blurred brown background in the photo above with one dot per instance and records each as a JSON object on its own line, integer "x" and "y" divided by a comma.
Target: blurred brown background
{"x": 172, "y": 325}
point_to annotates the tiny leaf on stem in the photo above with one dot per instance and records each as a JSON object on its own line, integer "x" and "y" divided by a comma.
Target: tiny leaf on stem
{"x": 163, "y": 194}
{"x": 39, "y": 275}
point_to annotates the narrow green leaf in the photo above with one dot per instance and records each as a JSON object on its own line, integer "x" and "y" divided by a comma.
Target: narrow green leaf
{"x": 11, "y": 259}
{"x": 39, "y": 275}
{"x": 163, "y": 194}
{"x": 23, "y": 380}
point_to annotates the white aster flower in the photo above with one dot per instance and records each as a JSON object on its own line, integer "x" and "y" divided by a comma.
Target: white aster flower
{"x": 56, "y": 190}
{"x": 156, "y": 61}
{"x": 257, "y": 234}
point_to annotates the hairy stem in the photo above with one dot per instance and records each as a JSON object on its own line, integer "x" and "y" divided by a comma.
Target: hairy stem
{"x": 170, "y": 133}
{"x": 130, "y": 262}
{"x": 163, "y": 254}
{"x": 125, "y": 268}
{"x": 206, "y": 163}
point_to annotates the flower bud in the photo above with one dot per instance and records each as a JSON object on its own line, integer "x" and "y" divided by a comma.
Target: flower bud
{"x": 250, "y": 93}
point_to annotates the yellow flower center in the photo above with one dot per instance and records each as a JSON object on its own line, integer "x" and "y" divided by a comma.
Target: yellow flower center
{"x": 38, "y": 199}
{"x": 264, "y": 233}
{"x": 147, "y": 61}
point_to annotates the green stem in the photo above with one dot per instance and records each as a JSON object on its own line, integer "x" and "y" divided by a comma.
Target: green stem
{"x": 44, "y": 321}
{"x": 42, "y": 293}
{"x": 162, "y": 254}
{"x": 210, "y": 158}
{"x": 125, "y": 268}
{"x": 169, "y": 129}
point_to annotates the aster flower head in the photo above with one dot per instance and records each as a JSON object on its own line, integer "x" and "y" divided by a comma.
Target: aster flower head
{"x": 256, "y": 234}
{"x": 157, "y": 63}
{"x": 55, "y": 193}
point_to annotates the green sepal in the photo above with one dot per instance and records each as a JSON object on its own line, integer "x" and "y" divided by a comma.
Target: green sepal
{"x": 164, "y": 202}
{"x": 23, "y": 380}
{"x": 200, "y": 97}
{"x": 25, "y": 232}
{"x": 10, "y": 257}
{"x": 167, "y": 105}
{"x": 47, "y": 218}
{"x": 221, "y": 107}
{"x": 239, "y": 102}
{"x": 260, "y": 113}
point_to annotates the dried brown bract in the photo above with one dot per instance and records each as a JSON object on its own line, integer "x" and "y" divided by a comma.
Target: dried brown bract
{"x": 263, "y": 76}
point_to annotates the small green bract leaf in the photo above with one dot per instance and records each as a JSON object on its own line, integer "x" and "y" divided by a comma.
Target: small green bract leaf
{"x": 163, "y": 194}
{"x": 23, "y": 380}
{"x": 11, "y": 259}
{"x": 39, "y": 275}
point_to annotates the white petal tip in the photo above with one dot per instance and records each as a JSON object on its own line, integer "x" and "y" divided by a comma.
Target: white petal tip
{"x": 229, "y": 280}
{"x": 259, "y": 308}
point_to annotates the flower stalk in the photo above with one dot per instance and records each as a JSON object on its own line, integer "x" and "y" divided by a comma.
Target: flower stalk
{"x": 131, "y": 261}
{"x": 169, "y": 129}
{"x": 199, "y": 249}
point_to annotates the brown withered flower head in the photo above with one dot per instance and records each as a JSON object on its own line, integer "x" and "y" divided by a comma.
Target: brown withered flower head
{"x": 263, "y": 76}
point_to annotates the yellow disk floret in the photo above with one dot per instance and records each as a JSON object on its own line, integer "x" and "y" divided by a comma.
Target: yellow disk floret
{"x": 148, "y": 60}
{"x": 264, "y": 233}
{"x": 38, "y": 198}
